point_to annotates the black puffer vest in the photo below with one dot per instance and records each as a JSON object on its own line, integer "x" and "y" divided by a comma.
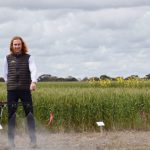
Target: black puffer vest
{"x": 19, "y": 77}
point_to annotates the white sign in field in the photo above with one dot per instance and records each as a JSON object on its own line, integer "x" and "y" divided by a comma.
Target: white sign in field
{"x": 1, "y": 127}
{"x": 100, "y": 123}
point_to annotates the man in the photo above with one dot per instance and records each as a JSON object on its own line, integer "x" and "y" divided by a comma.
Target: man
{"x": 20, "y": 76}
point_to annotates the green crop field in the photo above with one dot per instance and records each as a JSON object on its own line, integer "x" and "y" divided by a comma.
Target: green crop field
{"x": 77, "y": 106}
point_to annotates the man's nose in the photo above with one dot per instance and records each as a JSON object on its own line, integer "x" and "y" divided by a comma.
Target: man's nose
{"x": 17, "y": 46}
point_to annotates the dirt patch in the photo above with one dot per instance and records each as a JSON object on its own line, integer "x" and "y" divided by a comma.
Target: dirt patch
{"x": 127, "y": 140}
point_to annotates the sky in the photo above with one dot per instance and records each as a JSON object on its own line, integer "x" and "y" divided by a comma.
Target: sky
{"x": 80, "y": 38}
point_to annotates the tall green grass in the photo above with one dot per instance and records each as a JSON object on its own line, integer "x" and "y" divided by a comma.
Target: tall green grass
{"x": 77, "y": 106}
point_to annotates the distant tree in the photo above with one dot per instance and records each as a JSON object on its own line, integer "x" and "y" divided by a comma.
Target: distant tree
{"x": 60, "y": 79}
{"x": 44, "y": 77}
{"x": 70, "y": 78}
{"x": 132, "y": 77}
{"x": 85, "y": 79}
{"x": 94, "y": 78}
{"x": 2, "y": 79}
{"x": 104, "y": 77}
{"x": 147, "y": 77}
{"x": 47, "y": 78}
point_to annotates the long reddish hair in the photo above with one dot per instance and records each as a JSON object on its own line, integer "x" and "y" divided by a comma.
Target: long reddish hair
{"x": 24, "y": 46}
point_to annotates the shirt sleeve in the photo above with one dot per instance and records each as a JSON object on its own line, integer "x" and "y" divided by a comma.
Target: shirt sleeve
{"x": 33, "y": 69}
{"x": 5, "y": 69}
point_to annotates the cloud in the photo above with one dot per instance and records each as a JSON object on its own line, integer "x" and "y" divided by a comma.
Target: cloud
{"x": 72, "y": 4}
{"x": 81, "y": 42}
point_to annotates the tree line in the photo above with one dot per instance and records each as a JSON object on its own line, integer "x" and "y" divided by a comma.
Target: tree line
{"x": 48, "y": 78}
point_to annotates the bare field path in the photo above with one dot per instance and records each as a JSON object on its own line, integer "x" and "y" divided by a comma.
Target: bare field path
{"x": 119, "y": 140}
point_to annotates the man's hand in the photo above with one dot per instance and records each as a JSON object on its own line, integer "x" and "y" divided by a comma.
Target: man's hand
{"x": 33, "y": 86}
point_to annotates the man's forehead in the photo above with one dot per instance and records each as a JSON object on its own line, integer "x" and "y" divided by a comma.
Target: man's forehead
{"x": 17, "y": 41}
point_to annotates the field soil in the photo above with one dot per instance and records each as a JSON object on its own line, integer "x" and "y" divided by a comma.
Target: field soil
{"x": 118, "y": 140}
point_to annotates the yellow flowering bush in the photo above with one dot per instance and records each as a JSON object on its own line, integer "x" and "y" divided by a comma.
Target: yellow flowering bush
{"x": 105, "y": 83}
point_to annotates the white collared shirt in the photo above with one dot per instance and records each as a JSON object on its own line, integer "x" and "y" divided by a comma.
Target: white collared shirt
{"x": 32, "y": 68}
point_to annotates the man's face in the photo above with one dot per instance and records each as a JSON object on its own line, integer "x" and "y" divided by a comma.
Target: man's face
{"x": 17, "y": 46}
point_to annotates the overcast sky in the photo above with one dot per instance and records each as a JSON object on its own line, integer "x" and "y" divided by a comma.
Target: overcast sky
{"x": 80, "y": 37}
